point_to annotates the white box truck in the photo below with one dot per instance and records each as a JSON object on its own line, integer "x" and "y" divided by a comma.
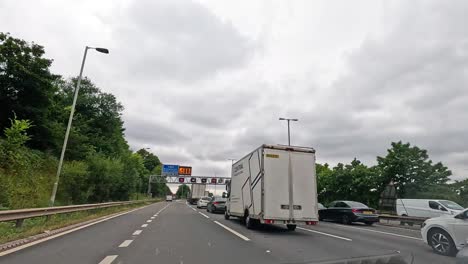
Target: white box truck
{"x": 274, "y": 184}
{"x": 197, "y": 191}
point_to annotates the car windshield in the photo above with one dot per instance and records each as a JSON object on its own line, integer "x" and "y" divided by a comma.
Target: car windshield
{"x": 451, "y": 205}
{"x": 356, "y": 204}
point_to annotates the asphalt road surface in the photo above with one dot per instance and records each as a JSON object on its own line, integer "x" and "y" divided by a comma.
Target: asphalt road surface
{"x": 177, "y": 233}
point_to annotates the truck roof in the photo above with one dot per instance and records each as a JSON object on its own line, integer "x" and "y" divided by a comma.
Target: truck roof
{"x": 281, "y": 147}
{"x": 292, "y": 148}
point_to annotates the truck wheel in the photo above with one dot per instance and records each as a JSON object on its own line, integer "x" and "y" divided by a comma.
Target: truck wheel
{"x": 441, "y": 242}
{"x": 226, "y": 215}
{"x": 250, "y": 223}
{"x": 291, "y": 227}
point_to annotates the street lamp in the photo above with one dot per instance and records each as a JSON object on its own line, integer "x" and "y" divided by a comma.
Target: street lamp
{"x": 289, "y": 134}
{"x": 70, "y": 119}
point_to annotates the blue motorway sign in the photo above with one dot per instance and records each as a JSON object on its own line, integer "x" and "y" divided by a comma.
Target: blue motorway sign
{"x": 170, "y": 170}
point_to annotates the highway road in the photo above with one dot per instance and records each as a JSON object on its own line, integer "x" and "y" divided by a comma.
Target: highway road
{"x": 177, "y": 233}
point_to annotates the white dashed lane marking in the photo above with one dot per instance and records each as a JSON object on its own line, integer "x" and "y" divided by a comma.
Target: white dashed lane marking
{"x": 137, "y": 232}
{"x": 325, "y": 234}
{"x": 126, "y": 243}
{"x": 232, "y": 231}
{"x": 108, "y": 259}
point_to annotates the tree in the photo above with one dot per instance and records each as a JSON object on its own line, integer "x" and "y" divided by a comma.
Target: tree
{"x": 183, "y": 191}
{"x": 150, "y": 160}
{"x": 411, "y": 169}
{"x": 353, "y": 181}
{"x": 97, "y": 124}
{"x": 26, "y": 87}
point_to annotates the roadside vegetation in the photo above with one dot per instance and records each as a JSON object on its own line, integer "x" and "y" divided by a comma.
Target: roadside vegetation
{"x": 408, "y": 167}
{"x": 34, "y": 226}
{"x": 34, "y": 109}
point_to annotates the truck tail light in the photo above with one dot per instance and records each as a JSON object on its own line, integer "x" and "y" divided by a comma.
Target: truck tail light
{"x": 269, "y": 221}
{"x": 311, "y": 222}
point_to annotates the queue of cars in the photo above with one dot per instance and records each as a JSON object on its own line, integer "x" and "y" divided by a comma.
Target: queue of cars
{"x": 212, "y": 204}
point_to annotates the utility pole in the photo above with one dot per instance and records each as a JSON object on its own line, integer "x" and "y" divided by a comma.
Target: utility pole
{"x": 289, "y": 133}
{"x": 70, "y": 119}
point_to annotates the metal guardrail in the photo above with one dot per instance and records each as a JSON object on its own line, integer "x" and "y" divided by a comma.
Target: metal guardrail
{"x": 403, "y": 219}
{"x": 21, "y": 214}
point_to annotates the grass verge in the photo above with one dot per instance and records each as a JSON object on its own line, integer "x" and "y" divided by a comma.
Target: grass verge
{"x": 34, "y": 226}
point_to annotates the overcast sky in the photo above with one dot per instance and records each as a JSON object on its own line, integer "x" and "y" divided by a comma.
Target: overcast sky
{"x": 204, "y": 81}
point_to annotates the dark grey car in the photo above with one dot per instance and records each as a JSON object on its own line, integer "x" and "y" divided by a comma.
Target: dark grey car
{"x": 217, "y": 204}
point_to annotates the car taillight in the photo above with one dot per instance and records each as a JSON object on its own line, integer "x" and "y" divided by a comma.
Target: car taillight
{"x": 269, "y": 221}
{"x": 355, "y": 210}
{"x": 215, "y": 202}
{"x": 311, "y": 222}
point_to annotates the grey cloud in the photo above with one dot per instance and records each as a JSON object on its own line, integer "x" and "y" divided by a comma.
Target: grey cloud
{"x": 178, "y": 39}
{"x": 151, "y": 132}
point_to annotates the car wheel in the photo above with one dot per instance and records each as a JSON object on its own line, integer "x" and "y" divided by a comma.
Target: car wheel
{"x": 441, "y": 242}
{"x": 226, "y": 215}
{"x": 291, "y": 227}
{"x": 345, "y": 220}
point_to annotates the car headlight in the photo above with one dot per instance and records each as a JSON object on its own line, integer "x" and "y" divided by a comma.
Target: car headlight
{"x": 423, "y": 224}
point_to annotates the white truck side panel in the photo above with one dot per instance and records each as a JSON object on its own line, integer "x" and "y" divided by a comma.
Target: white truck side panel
{"x": 239, "y": 176}
{"x": 256, "y": 182}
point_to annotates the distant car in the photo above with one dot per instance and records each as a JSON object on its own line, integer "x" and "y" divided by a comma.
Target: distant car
{"x": 203, "y": 202}
{"x": 446, "y": 234}
{"x": 216, "y": 204}
{"x": 168, "y": 198}
{"x": 348, "y": 212}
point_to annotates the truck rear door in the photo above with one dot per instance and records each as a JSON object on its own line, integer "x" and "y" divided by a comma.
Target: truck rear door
{"x": 290, "y": 185}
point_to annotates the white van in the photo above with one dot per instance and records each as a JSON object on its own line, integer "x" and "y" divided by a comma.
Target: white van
{"x": 426, "y": 207}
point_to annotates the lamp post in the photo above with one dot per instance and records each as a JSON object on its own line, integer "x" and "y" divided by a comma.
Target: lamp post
{"x": 289, "y": 134}
{"x": 70, "y": 119}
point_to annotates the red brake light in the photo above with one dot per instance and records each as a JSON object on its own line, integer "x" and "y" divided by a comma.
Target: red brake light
{"x": 269, "y": 221}
{"x": 311, "y": 222}
{"x": 354, "y": 210}
{"x": 215, "y": 202}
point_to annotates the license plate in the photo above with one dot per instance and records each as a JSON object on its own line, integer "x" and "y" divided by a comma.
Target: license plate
{"x": 367, "y": 212}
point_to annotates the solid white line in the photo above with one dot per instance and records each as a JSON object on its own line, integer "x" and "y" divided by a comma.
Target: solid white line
{"x": 144, "y": 225}
{"x": 6, "y": 252}
{"x": 204, "y": 214}
{"x": 149, "y": 221}
{"x": 232, "y": 231}
{"x": 137, "y": 232}
{"x": 108, "y": 259}
{"x": 381, "y": 232}
{"x": 126, "y": 243}
{"x": 325, "y": 234}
